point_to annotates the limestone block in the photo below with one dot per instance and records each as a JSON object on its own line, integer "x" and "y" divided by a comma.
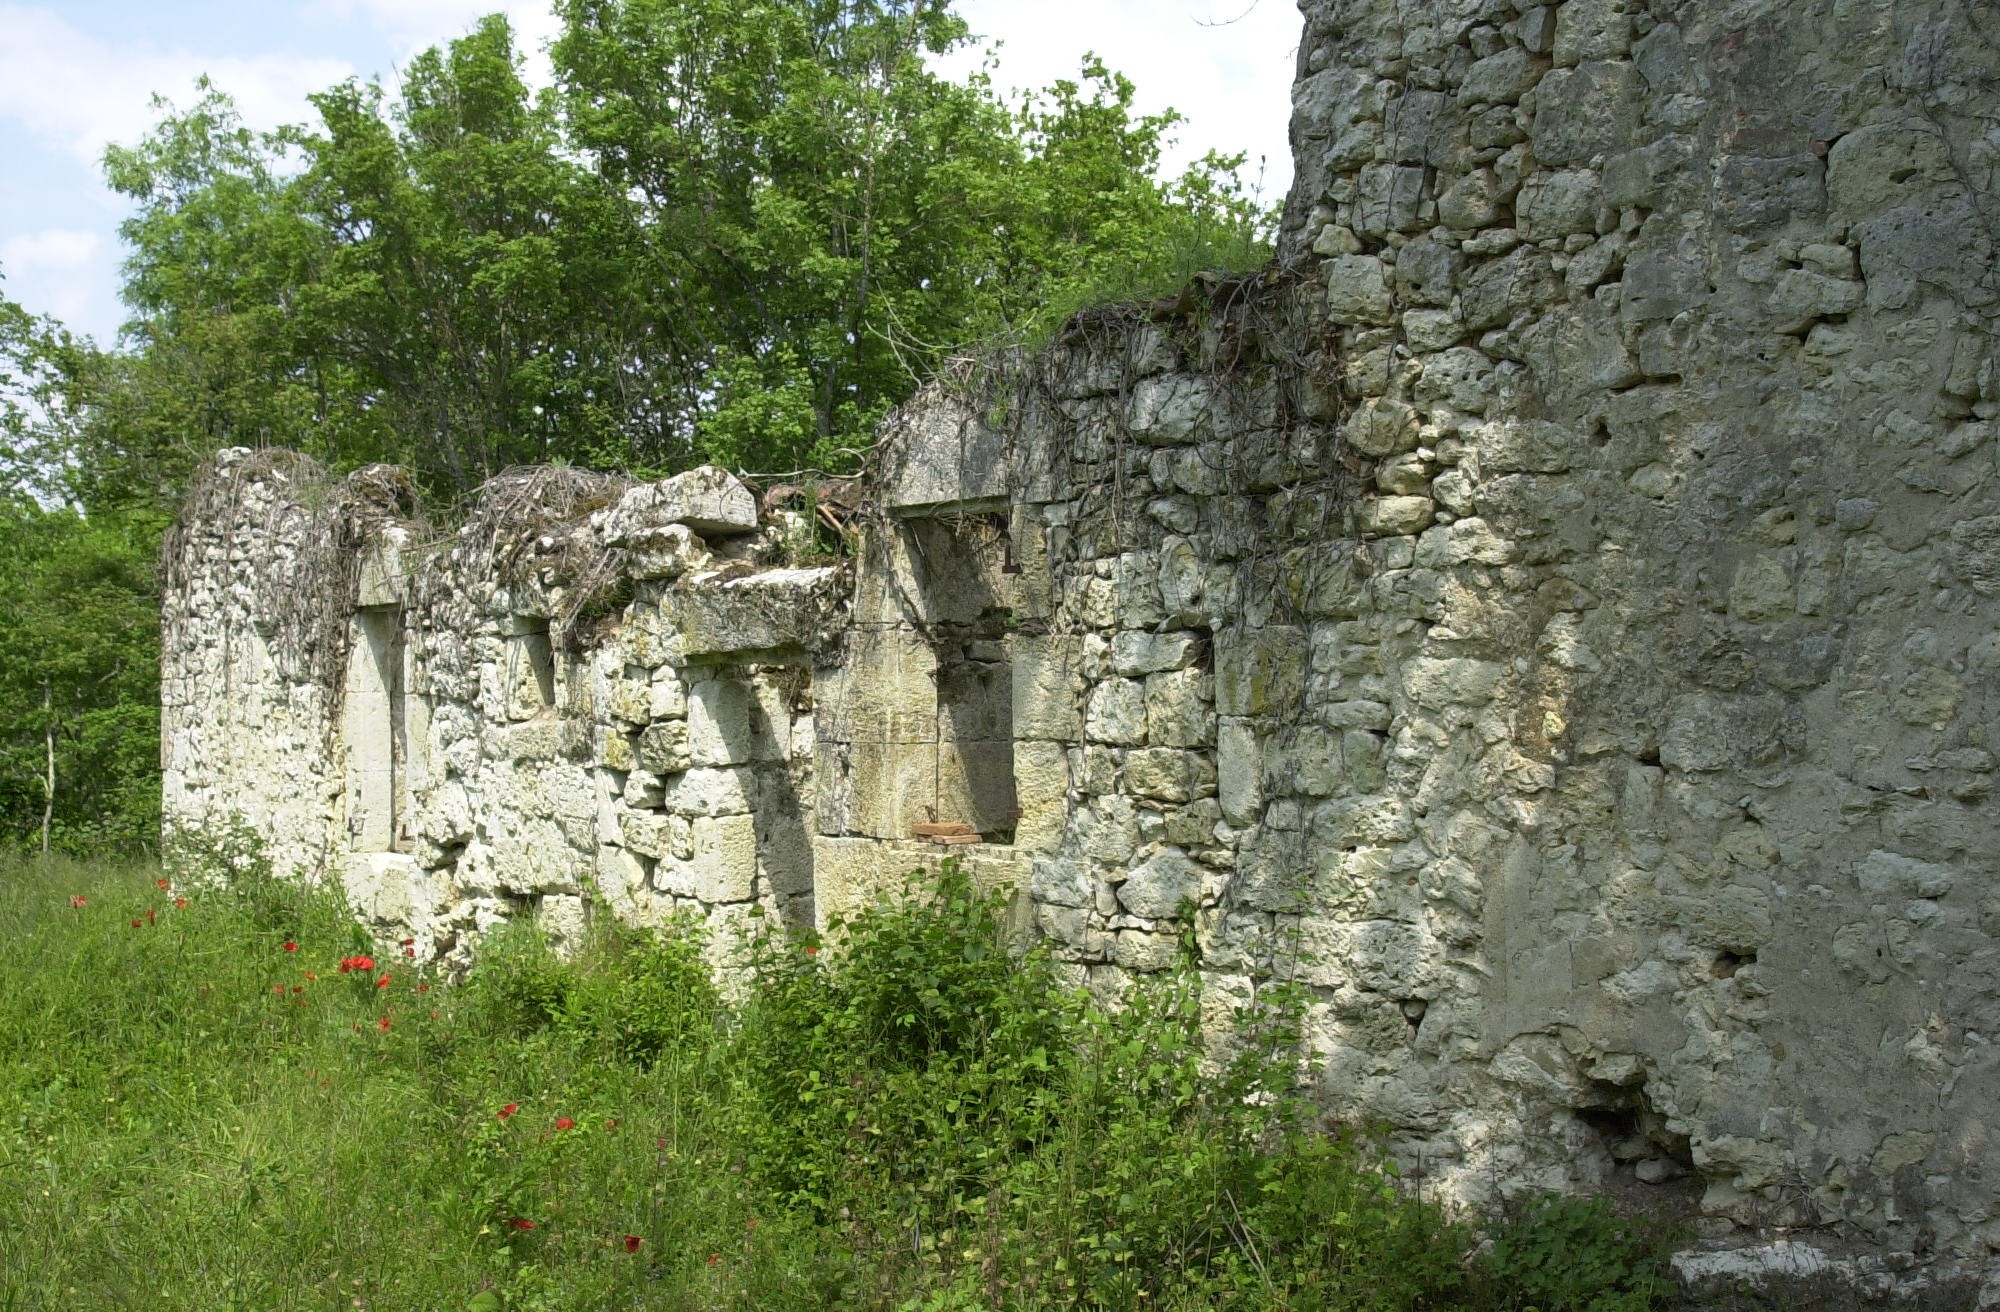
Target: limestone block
{"x": 724, "y": 865}
{"x": 1762, "y": 589}
{"x": 975, "y": 785}
{"x": 718, "y": 724}
{"x": 620, "y": 880}
{"x": 708, "y": 500}
{"x": 384, "y": 578}
{"x": 886, "y": 690}
{"x": 1136, "y": 652}
{"x": 662, "y": 748}
{"x": 1259, "y": 671}
{"x": 1592, "y": 29}
{"x": 1592, "y": 109}
{"x": 1157, "y": 886}
{"x": 1439, "y": 682}
{"x": 1239, "y": 771}
{"x": 664, "y": 553}
{"x": 941, "y": 451}
{"x": 1041, "y": 785}
{"x": 1501, "y": 78}
{"x": 1496, "y": 291}
{"x": 775, "y": 611}
{"x": 1974, "y": 551}
{"x": 710, "y": 792}
{"x": 1381, "y": 427}
{"x": 893, "y": 786}
{"x": 975, "y": 702}
{"x": 1803, "y": 297}
{"x": 1357, "y": 290}
{"x": 1393, "y": 516}
{"x": 1169, "y": 409}
{"x": 1431, "y": 330}
{"x": 1344, "y": 822}
{"x": 666, "y": 697}
{"x": 1471, "y": 203}
{"x": 1115, "y": 712}
{"x": 1180, "y": 710}
{"x": 1559, "y": 203}
{"x": 643, "y": 790}
{"x": 1047, "y": 686}
{"x": 1757, "y": 192}
{"x": 1166, "y": 774}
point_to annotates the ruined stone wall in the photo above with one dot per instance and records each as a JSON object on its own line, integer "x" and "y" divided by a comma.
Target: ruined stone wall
{"x": 1553, "y": 616}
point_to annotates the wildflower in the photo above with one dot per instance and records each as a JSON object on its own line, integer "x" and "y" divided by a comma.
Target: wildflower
{"x": 298, "y": 988}
{"x": 423, "y": 988}
{"x": 611, "y": 1124}
{"x": 291, "y": 946}
{"x": 278, "y": 988}
{"x": 78, "y": 900}
{"x": 752, "y": 1224}
{"x": 509, "y": 1110}
{"x": 522, "y": 1223}
{"x": 161, "y": 883}
{"x": 811, "y": 951}
{"x": 137, "y": 923}
{"x": 310, "y": 975}
{"x": 383, "y": 983}
{"x": 408, "y": 941}
{"x": 383, "y": 1024}
{"x": 149, "y": 917}
{"x": 565, "y": 1123}
{"x": 713, "y": 1258}
{"x": 632, "y": 1243}
{"x": 180, "y": 903}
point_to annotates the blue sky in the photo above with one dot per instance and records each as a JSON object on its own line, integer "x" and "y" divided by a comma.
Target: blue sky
{"x": 79, "y": 74}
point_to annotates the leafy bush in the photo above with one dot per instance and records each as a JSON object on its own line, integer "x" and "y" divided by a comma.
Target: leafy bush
{"x": 902, "y": 1116}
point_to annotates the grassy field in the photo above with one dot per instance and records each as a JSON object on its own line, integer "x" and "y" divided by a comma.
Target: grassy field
{"x": 208, "y": 1102}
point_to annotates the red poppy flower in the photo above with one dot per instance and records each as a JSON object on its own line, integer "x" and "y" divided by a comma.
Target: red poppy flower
{"x": 812, "y": 951}
{"x": 659, "y": 1143}
{"x": 565, "y": 1123}
{"x": 713, "y": 1258}
{"x": 298, "y": 988}
{"x": 78, "y": 900}
{"x": 632, "y": 1243}
{"x": 408, "y": 941}
{"x": 522, "y": 1223}
{"x": 383, "y": 1024}
{"x": 291, "y": 946}
{"x": 509, "y": 1110}
{"x": 181, "y": 903}
{"x": 310, "y": 975}
{"x": 278, "y": 989}
{"x": 383, "y": 983}
{"x": 409, "y": 952}
{"x": 611, "y": 1124}
{"x": 149, "y": 917}
{"x": 423, "y": 988}
{"x": 137, "y": 923}
{"x": 161, "y": 883}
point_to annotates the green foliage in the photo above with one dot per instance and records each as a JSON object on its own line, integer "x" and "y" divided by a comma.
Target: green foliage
{"x": 79, "y": 679}
{"x": 200, "y": 1109}
{"x": 1573, "y": 1255}
{"x": 734, "y": 233}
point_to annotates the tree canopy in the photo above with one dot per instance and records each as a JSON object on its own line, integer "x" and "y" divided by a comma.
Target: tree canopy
{"x": 735, "y": 232}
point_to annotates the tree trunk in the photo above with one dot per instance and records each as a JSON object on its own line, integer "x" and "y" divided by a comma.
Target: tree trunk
{"x": 49, "y": 765}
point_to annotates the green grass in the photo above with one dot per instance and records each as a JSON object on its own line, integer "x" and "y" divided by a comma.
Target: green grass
{"x": 193, "y": 1116}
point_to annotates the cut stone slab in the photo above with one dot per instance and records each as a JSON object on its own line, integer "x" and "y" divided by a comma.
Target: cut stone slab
{"x": 708, "y": 500}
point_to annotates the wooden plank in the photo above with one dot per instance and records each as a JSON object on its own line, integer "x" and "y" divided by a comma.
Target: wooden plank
{"x": 955, "y": 840}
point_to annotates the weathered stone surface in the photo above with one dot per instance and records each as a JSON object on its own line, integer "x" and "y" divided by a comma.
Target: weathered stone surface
{"x": 712, "y": 502}
{"x": 1550, "y": 615}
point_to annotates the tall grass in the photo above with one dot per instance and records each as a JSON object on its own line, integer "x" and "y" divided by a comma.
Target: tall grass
{"x": 200, "y": 1110}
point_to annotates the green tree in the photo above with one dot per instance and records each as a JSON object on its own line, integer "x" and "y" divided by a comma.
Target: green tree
{"x": 79, "y": 679}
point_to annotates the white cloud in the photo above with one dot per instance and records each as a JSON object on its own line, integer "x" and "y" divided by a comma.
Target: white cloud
{"x": 78, "y": 93}
{"x": 411, "y": 26}
{"x": 1226, "y": 65}
{"x": 66, "y": 272}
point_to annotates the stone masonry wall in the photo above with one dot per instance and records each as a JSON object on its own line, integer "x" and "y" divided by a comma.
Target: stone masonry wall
{"x": 1553, "y": 615}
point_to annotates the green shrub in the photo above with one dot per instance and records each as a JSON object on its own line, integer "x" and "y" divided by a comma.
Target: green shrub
{"x": 1557, "y": 1254}
{"x": 902, "y": 1116}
